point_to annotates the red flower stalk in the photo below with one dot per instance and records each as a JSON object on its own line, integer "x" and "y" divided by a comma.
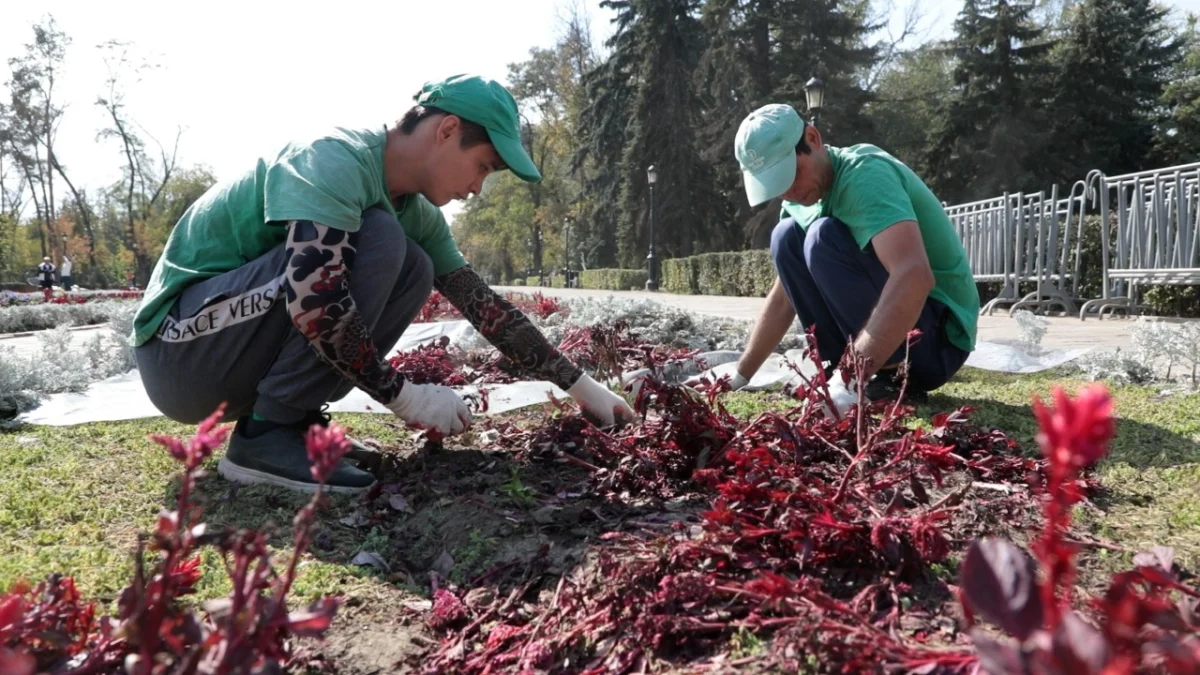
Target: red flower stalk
{"x": 326, "y": 447}
{"x": 200, "y": 447}
{"x": 1073, "y": 435}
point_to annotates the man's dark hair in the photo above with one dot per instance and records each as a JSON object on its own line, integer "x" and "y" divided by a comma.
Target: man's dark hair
{"x": 802, "y": 147}
{"x": 472, "y": 134}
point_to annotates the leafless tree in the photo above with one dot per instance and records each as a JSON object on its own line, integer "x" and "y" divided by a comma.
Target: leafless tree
{"x": 145, "y": 176}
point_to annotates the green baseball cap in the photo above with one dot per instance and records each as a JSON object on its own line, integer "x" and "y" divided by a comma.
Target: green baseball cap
{"x": 488, "y": 104}
{"x": 766, "y": 150}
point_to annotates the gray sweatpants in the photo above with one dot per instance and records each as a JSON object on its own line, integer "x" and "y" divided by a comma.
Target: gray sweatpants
{"x": 229, "y": 338}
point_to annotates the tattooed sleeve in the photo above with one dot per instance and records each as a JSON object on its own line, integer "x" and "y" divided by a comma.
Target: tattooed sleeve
{"x": 506, "y": 327}
{"x": 319, "y": 302}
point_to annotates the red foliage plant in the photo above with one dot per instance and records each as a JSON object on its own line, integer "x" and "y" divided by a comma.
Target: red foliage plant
{"x": 438, "y": 308}
{"x": 433, "y": 362}
{"x": 49, "y": 628}
{"x": 1140, "y": 626}
{"x": 611, "y": 349}
{"x": 816, "y": 530}
{"x": 75, "y": 299}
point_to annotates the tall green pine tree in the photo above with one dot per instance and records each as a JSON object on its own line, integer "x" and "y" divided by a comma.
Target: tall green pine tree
{"x": 991, "y": 132}
{"x": 1179, "y": 142}
{"x": 764, "y": 51}
{"x": 1113, "y": 64}
{"x": 646, "y": 105}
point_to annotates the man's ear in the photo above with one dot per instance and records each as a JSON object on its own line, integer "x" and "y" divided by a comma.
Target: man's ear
{"x": 448, "y": 127}
{"x": 812, "y": 136}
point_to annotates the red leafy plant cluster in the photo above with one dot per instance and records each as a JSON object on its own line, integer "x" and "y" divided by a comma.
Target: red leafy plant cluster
{"x": 607, "y": 349}
{"x": 433, "y": 362}
{"x": 438, "y": 308}
{"x": 817, "y": 530}
{"x": 8, "y": 298}
{"x": 75, "y": 299}
{"x": 611, "y": 349}
{"x": 50, "y": 628}
{"x": 438, "y": 362}
{"x": 1147, "y": 621}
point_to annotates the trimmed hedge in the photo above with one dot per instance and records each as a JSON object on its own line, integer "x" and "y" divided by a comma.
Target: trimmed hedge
{"x": 740, "y": 273}
{"x": 679, "y": 276}
{"x": 613, "y": 279}
{"x": 533, "y": 281}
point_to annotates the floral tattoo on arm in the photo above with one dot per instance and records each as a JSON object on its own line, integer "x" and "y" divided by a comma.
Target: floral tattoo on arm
{"x": 506, "y": 327}
{"x": 319, "y": 302}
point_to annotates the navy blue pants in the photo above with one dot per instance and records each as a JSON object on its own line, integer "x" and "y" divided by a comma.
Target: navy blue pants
{"x": 835, "y": 285}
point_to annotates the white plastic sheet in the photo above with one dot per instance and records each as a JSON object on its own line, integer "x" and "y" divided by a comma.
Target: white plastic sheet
{"x": 1012, "y": 356}
{"x": 122, "y": 397}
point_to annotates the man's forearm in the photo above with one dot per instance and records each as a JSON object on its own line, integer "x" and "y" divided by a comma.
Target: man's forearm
{"x": 897, "y": 313}
{"x": 507, "y": 327}
{"x": 773, "y": 323}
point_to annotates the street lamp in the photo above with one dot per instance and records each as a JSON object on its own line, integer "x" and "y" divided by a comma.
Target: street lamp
{"x": 814, "y": 92}
{"x": 567, "y": 250}
{"x": 651, "y": 277}
{"x": 541, "y": 251}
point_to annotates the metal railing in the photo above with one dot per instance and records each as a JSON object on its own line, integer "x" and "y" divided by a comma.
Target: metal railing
{"x": 1157, "y": 218}
{"x": 1036, "y": 238}
{"x": 1025, "y": 239}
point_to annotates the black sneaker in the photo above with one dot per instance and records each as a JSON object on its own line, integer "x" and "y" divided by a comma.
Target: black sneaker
{"x": 358, "y": 451}
{"x": 885, "y": 387}
{"x": 278, "y": 456}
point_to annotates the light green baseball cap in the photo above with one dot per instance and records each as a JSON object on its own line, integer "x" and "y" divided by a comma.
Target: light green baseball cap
{"x": 766, "y": 150}
{"x": 488, "y": 104}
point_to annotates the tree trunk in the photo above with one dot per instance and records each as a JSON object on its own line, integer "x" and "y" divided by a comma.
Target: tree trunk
{"x": 84, "y": 212}
{"x": 49, "y": 141}
{"x": 40, "y": 217}
{"x": 138, "y": 255}
{"x": 761, "y": 39}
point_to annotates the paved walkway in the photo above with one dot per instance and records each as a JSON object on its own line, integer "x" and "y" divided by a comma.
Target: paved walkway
{"x": 1062, "y": 333}
{"x": 26, "y": 345}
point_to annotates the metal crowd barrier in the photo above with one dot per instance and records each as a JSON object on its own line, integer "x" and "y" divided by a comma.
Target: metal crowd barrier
{"x": 1021, "y": 239}
{"x": 1157, "y": 216}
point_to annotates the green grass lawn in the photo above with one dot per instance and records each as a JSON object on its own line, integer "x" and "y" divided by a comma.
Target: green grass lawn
{"x": 73, "y": 499}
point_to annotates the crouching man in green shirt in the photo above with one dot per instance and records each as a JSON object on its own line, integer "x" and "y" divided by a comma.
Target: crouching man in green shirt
{"x": 864, "y": 252}
{"x": 281, "y": 290}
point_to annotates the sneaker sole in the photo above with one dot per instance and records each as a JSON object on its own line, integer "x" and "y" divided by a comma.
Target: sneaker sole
{"x": 241, "y": 474}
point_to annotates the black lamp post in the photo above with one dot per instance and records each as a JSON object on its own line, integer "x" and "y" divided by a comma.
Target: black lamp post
{"x": 567, "y": 250}
{"x": 541, "y": 251}
{"x": 651, "y": 269}
{"x": 814, "y": 92}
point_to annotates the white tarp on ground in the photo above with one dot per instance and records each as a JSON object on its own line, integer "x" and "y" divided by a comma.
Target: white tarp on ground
{"x": 122, "y": 397}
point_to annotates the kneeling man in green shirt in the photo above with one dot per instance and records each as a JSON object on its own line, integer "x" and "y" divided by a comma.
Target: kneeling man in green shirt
{"x": 864, "y": 252}
{"x": 282, "y": 289}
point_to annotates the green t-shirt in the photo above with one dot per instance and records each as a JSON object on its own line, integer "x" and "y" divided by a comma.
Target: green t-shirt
{"x": 330, "y": 180}
{"x": 872, "y": 191}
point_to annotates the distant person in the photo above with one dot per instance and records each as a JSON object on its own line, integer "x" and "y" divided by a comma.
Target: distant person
{"x": 281, "y": 290}
{"x": 46, "y": 273}
{"x": 129, "y": 280}
{"x": 864, "y": 252}
{"x": 65, "y": 274}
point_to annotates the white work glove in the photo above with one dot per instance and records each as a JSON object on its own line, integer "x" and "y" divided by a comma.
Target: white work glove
{"x": 841, "y": 394}
{"x": 736, "y": 380}
{"x": 596, "y": 401}
{"x": 431, "y": 406}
